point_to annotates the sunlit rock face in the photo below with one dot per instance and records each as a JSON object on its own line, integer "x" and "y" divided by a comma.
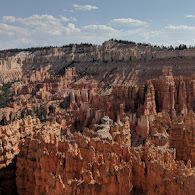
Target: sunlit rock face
{"x": 116, "y": 120}
{"x": 81, "y": 164}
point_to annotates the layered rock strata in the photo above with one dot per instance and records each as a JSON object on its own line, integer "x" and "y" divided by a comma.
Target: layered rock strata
{"x": 110, "y": 137}
{"x": 96, "y": 60}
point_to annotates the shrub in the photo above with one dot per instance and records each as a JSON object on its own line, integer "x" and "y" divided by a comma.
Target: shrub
{"x": 5, "y": 96}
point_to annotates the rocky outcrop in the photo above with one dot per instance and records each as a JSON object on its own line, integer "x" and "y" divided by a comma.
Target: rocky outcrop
{"x": 94, "y": 59}
{"x": 53, "y": 163}
{"x": 10, "y": 138}
{"x": 182, "y": 138}
{"x": 155, "y": 171}
{"x": 98, "y": 133}
{"x": 99, "y": 161}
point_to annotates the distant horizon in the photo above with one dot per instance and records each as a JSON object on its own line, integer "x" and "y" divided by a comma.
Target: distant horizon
{"x": 38, "y": 23}
{"x": 116, "y": 40}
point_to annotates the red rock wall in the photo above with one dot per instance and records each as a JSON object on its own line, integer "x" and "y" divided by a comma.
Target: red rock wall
{"x": 52, "y": 164}
{"x": 155, "y": 171}
{"x": 108, "y": 157}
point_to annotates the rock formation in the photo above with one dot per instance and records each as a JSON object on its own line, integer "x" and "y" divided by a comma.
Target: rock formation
{"x": 109, "y": 123}
{"x": 73, "y": 164}
{"x": 147, "y": 61}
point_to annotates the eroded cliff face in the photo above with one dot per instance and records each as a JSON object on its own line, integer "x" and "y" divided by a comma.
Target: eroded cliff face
{"x": 155, "y": 171}
{"x": 106, "y": 134}
{"x": 98, "y": 161}
{"x": 76, "y": 163}
{"x": 11, "y": 136}
{"x": 96, "y": 60}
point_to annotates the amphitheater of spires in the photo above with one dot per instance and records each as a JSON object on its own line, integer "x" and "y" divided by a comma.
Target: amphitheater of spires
{"x": 111, "y": 119}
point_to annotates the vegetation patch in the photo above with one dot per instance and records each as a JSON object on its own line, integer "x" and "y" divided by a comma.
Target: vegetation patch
{"x": 5, "y": 95}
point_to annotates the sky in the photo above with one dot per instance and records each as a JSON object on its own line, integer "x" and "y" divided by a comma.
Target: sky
{"x": 33, "y": 23}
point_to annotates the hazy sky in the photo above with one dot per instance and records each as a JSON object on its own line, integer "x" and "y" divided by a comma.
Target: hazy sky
{"x": 30, "y": 23}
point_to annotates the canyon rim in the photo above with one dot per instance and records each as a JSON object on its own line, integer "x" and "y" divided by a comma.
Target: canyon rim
{"x": 87, "y": 119}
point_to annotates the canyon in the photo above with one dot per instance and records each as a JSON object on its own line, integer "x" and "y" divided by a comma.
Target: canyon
{"x": 86, "y": 119}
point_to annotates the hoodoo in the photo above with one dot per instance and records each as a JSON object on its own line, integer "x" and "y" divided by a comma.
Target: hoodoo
{"x": 84, "y": 119}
